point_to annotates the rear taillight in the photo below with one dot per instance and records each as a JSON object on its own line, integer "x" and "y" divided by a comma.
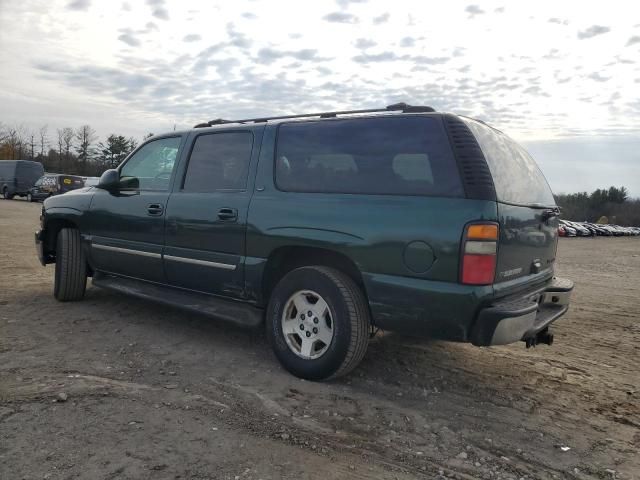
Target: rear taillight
{"x": 479, "y": 249}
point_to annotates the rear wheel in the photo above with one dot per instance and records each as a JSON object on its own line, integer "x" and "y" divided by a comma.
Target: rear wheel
{"x": 71, "y": 267}
{"x": 318, "y": 323}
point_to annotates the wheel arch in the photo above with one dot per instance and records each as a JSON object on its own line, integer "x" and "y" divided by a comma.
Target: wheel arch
{"x": 287, "y": 258}
{"x": 51, "y": 230}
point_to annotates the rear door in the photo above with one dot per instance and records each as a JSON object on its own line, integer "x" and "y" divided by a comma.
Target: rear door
{"x": 207, "y": 212}
{"x": 527, "y": 211}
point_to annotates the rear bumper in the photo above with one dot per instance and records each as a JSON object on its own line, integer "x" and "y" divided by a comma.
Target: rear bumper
{"x": 522, "y": 317}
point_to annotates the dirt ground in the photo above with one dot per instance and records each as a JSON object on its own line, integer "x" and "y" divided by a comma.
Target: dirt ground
{"x": 114, "y": 387}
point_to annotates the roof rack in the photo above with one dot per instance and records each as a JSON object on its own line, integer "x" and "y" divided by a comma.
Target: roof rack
{"x": 403, "y": 107}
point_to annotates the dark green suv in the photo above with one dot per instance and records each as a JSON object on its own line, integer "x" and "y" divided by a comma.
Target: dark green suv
{"x": 326, "y": 227}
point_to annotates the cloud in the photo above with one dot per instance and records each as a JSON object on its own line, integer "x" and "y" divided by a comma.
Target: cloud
{"x": 269, "y": 55}
{"x": 597, "y": 77}
{"x": 129, "y": 39}
{"x": 249, "y": 15}
{"x": 340, "y": 17}
{"x": 473, "y": 10}
{"x": 374, "y": 58}
{"x": 633, "y": 40}
{"x": 79, "y": 5}
{"x": 237, "y": 39}
{"x": 192, "y": 37}
{"x": 120, "y": 83}
{"x": 380, "y": 19}
{"x": 161, "y": 13}
{"x": 364, "y": 43}
{"x": 346, "y": 3}
{"x": 535, "y": 90}
{"x": 593, "y": 31}
{"x": 558, "y": 21}
{"x": 407, "y": 42}
{"x": 158, "y": 10}
{"x": 420, "y": 60}
{"x": 499, "y": 10}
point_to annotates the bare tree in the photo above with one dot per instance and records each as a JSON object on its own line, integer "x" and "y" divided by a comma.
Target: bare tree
{"x": 67, "y": 140}
{"x": 60, "y": 147}
{"x": 85, "y": 135}
{"x": 43, "y": 139}
{"x": 13, "y": 142}
{"x": 3, "y": 132}
{"x": 32, "y": 144}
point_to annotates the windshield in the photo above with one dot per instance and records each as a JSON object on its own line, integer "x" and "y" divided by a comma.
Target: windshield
{"x": 516, "y": 175}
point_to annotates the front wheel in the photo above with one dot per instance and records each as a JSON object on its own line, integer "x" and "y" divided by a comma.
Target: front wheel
{"x": 318, "y": 323}
{"x": 71, "y": 267}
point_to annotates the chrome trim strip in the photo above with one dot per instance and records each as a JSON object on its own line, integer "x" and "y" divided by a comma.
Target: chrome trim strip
{"x": 204, "y": 263}
{"x": 99, "y": 246}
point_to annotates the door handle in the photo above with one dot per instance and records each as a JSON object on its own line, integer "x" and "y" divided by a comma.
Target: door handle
{"x": 228, "y": 214}
{"x": 155, "y": 209}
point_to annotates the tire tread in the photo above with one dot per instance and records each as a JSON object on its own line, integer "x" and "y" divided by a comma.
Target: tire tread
{"x": 71, "y": 266}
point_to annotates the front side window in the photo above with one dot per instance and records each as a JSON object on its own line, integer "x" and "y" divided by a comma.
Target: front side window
{"x": 152, "y": 165}
{"x": 219, "y": 161}
{"x": 386, "y": 156}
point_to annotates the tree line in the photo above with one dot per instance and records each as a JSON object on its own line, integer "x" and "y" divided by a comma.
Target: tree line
{"x": 611, "y": 205}
{"x": 65, "y": 150}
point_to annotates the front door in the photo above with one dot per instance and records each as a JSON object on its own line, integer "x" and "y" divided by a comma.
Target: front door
{"x": 127, "y": 225}
{"x": 207, "y": 214}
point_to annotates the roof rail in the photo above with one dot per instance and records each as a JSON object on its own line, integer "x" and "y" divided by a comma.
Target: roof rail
{"x": 403, "y": 107}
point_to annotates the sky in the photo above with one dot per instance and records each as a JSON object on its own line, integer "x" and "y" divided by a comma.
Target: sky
{"x": 562, "y": 78}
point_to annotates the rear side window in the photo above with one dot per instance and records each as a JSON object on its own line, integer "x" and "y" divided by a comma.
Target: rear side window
{"x": 516, "y": 176}
{"x": 219, "y": 161}
{"x": 387, "y": 156}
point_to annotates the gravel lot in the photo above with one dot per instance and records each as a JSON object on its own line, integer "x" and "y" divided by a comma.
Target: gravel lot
{"x": 114, "y": 387}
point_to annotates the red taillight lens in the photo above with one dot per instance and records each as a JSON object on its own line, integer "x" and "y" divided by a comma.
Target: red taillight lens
{"x": 479, "y": 250}
{"x": 478, "y": 269}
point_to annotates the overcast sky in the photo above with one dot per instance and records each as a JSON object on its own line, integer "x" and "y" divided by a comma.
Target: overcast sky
{"x": 561, "y": 77}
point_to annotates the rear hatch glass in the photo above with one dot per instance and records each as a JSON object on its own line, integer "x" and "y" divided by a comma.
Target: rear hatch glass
{"x": 69, "y": 182}
{"x": 528, "y": 234}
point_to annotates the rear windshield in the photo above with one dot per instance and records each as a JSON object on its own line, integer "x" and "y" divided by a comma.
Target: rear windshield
{"x": 70, "y": 182}
{"x": 516, "y": 175}
{"x": 387, "y": 156}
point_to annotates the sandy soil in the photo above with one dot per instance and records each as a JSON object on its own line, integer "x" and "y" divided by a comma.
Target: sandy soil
{"x": 156, "y": 393}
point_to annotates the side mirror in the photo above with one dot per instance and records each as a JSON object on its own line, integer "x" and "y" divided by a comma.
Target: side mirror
{"x": 109, "y": 180}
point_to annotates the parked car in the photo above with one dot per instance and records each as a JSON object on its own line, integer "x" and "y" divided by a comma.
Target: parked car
{"x": 91, "y": 181}
{"x": 324, "y": 227}
{"x": 53, "y": 184}
{"x": 18, "y": 176}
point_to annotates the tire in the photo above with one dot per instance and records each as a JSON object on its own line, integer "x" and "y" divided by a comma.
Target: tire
{"x": 347, "y": 316}
{"x": 6, "y": 195}
{"x": 71, "y": 267}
